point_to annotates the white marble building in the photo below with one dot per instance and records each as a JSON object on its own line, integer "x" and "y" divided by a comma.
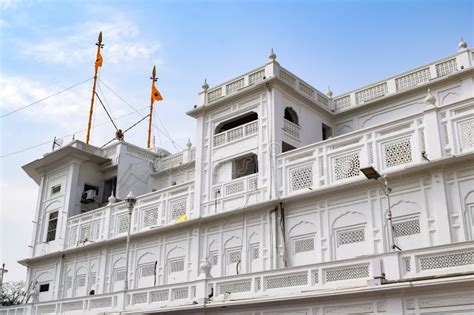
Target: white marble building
{"x": 269, "y": 212}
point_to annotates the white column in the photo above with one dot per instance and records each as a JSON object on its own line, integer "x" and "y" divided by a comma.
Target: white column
{"x": 432, "y": 131}
{"x": 439, "y": 208}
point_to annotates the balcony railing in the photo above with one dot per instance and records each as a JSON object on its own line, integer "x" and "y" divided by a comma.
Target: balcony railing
{"x": 236, "y": 133}
{"x": 405, "y": 81}
{"x": 291, "y": 128}
{"x": 152, "y": 210}
{"x": 325, "y": 278}
{"x": 388, "y": 147}
{"x": 170, "y": 161}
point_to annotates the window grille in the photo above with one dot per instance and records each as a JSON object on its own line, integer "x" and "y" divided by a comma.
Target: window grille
{"x": 214, "y": 258}
{"x": 348, "y": 237}
{"x": 234, "y": 256}
{"x": 81, "y": 281}
{"x": 287, "y": 280}
{"x": 120, "y": 275}
{"x": 176, "y": 265}
{"x": 304, "y": 245}
{"x": 408, "y": 227}
{"x": 178, "y": 208}
{"x": 52, "y": 224}
{"x": 447, "y": 260}
{"x": 397, "y": 152}
{"x": 347, "y": 166}
{"x": 55, "y": 189}
{"x": 147, "y": 270}
{"x": 347, "y": 272}
{"x": 466, "y": 132}
{"x": 255, "y": 252}
{"x": 301, "y": 177}
{"x": 150, "y": 217}
{"x": 122, "y": 224}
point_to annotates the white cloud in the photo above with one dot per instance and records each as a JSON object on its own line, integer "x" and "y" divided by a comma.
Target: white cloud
{"x": 74, "y": 44}
{"x": 7, "y": 4}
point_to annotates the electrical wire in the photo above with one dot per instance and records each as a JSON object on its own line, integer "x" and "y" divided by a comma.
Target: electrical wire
{"x": 68, "y": 135}
{"x": 45, "y": 98}
{"x": 167, "y": 135}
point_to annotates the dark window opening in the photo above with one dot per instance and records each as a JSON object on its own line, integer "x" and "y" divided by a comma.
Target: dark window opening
{"x": 109, "y": 189}
{"x": 91, "y": 187}
{"x": 235, "y": 122}
{"x": 285, "y": 147}
{"x": 44, "y": 287}
{"x": 291, "y": 115}
{"x": 244, "y": 166}
{"x": 55, "y": 189}
{"x": 327, "y": 132}
{"x": 52, "y": 224}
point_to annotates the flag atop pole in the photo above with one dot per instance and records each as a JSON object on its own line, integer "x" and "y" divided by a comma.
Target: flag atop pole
{"x": 155, "y": 96}
{"x": 98, "y": 63}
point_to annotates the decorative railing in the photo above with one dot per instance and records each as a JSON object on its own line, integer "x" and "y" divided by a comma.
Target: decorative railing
{"x": 152, "y": 210}
{"x": 291, "y": 128}
{"x": 388, "y": 147}
{"x": 429, "y": 264}
{"x": 171, "y": 161}
{"x": 235, "y": 186}
{"x": 236, "y": 133}
{"x": 404, "y": 81}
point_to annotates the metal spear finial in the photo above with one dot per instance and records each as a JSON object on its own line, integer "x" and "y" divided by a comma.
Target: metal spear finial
{"x": 100, "y": 38}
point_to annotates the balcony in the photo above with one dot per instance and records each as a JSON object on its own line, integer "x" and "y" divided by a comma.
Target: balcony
{"x": 388, "y": 147}
{"x": 153, "y": 210}
{"x": 291, "y": 129}
{"x": 175, "y": 160}
{"x": 398, "y": 270}
{"x": 236, "y": 133}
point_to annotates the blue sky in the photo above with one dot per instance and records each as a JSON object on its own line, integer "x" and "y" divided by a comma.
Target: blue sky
{"x": 46, "y": 46}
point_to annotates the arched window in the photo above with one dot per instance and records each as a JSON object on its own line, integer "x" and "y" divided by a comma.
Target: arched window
{"x": 291, "y": 115}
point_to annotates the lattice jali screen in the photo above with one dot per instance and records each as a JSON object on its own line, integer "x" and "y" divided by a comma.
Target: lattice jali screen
{"x": 139, "y": 298}
{"x": 254, "y": 252}
{"x": 343, "y": 102}
{"x": 159, "y": 296}
{"x": 407, "y": 263}
{"x": 178, "y": 208}
{"x": 150, "y": 217}
{"x": 234, "y": 256}
{"x": 347, "y": 272}
{"x": 180, "y": 293}
{"x": 288, "y": 280}
{"x": 301, "y": 177}
{"x": 176, "y": 265}
{"x": 122, "y": 224}
{"x": 214, "y": 258}
{"x": 147, "y": 270}
{"x": 235, "y": 286}
{"x": 256, "y": 76}
{"x": 315, "y": 276}
{"x": 371, "y": 93}
{"x": 397, "y": 152}
{"x": 100, "y": 303}
{"x": 346, "y": 166}
{"x": 81, "y": 281}
{"x": 466, "y": 134}
{"x": 408, "y": 227}
{"x": 447, "y": 260}
{"x": 413, "y": 79}
{"x": 348, "y": 237}
{"x": 303, "y": 245}
{"x": 234, "y": 188}
{"x": 234, "y": 86}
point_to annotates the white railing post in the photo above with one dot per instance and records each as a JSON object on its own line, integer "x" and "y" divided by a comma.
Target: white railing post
{"x": 433, "y": 143}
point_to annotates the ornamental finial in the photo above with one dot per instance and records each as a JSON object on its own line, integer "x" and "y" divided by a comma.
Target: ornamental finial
{"x": 462, "y": 44}
{"x": 205, "y": 86}
{"x": 329, "y": 92}
{"x": 272, "y": 57}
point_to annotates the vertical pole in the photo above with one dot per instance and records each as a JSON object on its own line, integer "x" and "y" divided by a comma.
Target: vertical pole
{"x": 2, "y": 272}
{"x": 152, "y": 100}
{"x": 91, "y": 110}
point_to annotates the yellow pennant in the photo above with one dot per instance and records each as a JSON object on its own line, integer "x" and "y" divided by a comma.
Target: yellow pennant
{"x": 99, "y": 60}
{"x": 155, "y": 94}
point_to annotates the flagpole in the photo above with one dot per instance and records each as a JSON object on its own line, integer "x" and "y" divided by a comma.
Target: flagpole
{"x": 152, "y": 100}
{"x": 99, "y": 46}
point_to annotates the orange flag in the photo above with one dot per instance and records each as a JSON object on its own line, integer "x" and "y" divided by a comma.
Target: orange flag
{"x": 99, "y": 60}
{"x": 155, "y": 94}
